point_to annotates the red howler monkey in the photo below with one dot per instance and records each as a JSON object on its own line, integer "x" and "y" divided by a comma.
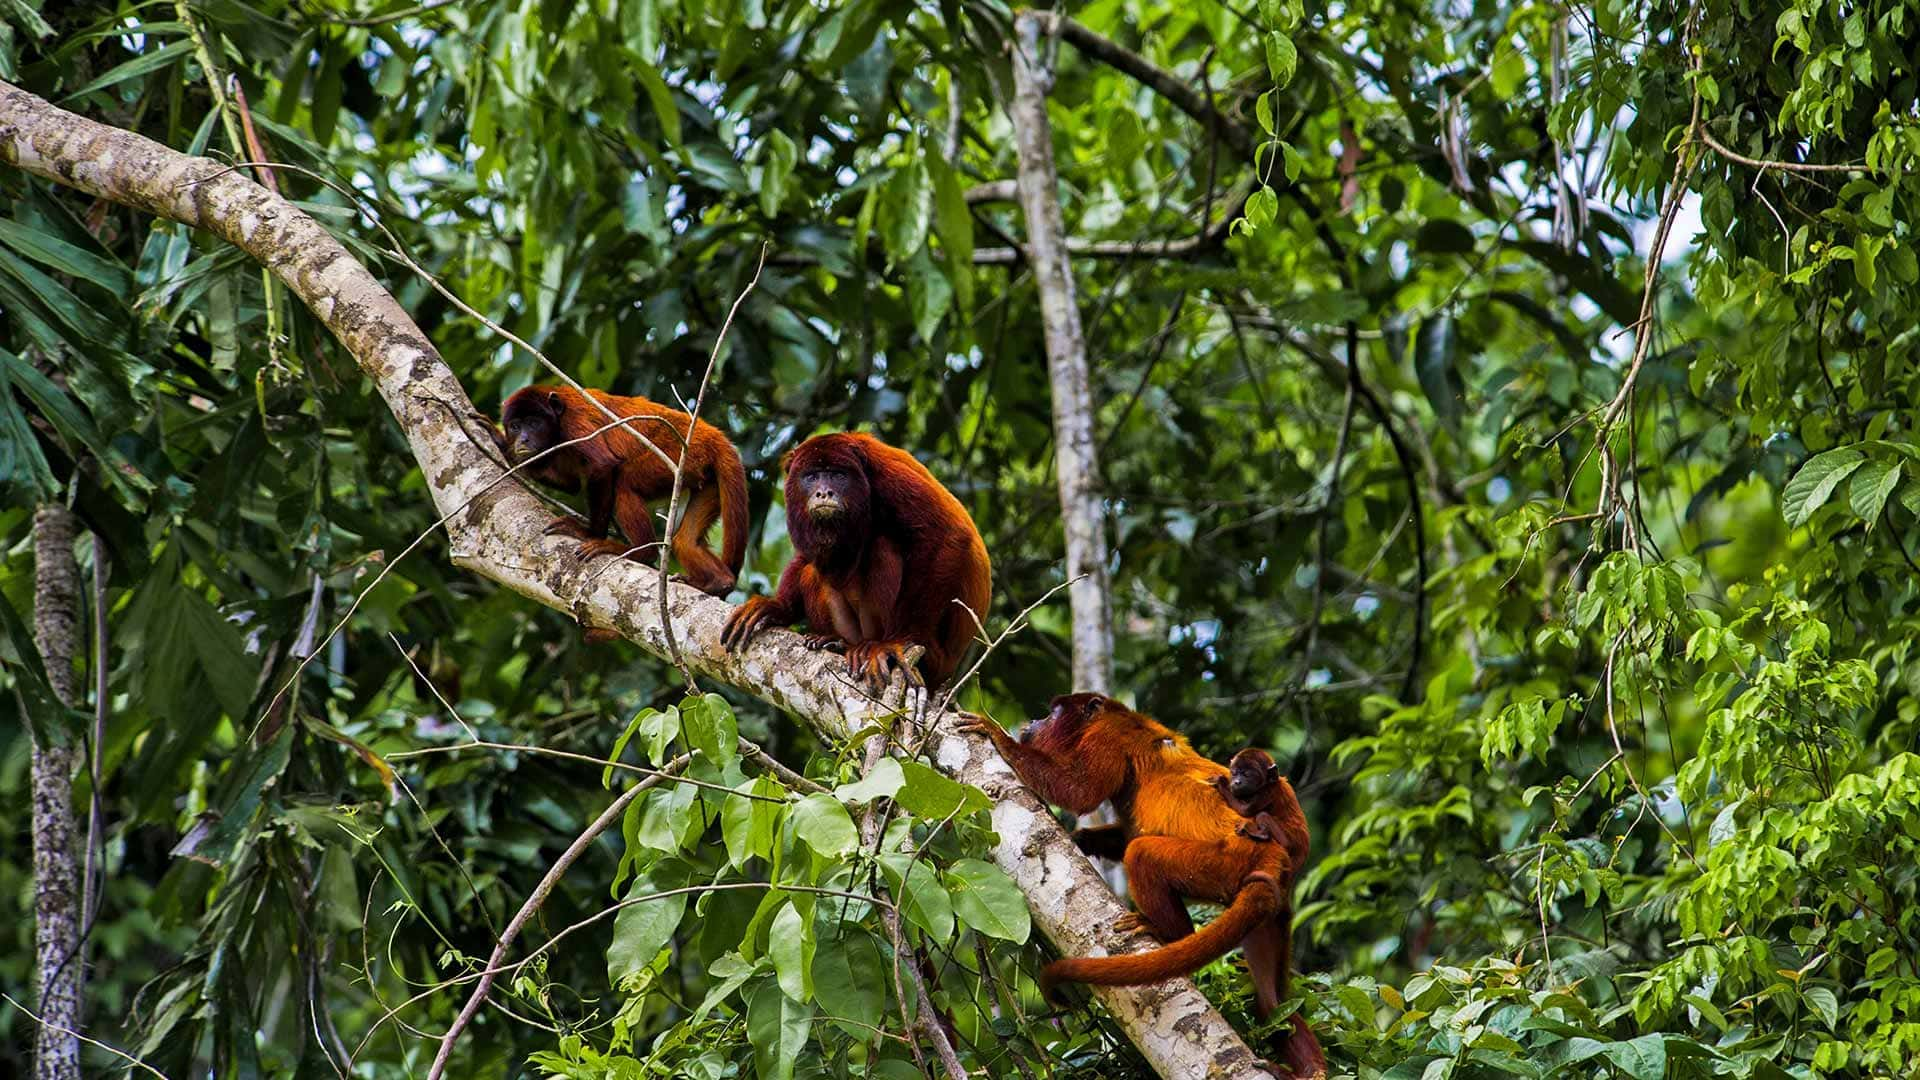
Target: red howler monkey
{"x": 1256, "y": 790}
{"x": 881, "y": 554}
{"x": 1183, "y": 841}
{"x": 620, "y": 473}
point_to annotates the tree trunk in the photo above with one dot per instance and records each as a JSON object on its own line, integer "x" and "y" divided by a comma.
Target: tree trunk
{"x": 1074, "y": 461}
{"x": 1074, "y": 457}
{"x": 497, "y": 530}
{"x": 56, "y": 907}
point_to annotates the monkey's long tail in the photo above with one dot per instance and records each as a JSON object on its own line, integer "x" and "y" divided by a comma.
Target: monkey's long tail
{"x": 732, "y": 478}
{"x": 1255, "y": 904}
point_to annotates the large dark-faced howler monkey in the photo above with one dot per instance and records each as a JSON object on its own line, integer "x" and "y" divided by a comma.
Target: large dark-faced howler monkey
{"x": 620, "y": 474}
{"x": 884, "y": 558}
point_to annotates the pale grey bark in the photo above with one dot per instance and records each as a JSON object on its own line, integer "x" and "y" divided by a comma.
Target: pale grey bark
{"x": 496, "y": 529}
{"x": 56, "y": 898}
{"x": 1075, "y": 464}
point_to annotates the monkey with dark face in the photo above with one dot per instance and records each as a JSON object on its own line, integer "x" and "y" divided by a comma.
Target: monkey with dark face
{"x": 1256, "y": 790}
{"x": 885, "y": 558}
{"x": 620, "y": 473}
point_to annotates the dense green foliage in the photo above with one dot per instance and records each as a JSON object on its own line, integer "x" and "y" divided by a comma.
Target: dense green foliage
{"x": 1604, "y": 717}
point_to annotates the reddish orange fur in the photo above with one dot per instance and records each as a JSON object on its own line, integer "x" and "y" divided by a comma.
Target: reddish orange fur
{"x": 620, "y": 474}
{"x": 1183, "y": 843}
{"x": 1269, "y": 805}
{"x": 885, "y": 566}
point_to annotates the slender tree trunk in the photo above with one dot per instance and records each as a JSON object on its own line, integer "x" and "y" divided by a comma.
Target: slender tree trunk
{"x": 1075, "y": 463}
{"x": 1074, "y": 457}
{"x": 56, "y": 907}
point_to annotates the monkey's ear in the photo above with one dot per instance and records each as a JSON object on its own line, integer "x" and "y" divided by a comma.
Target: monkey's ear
{"x": 786, "y": 459}
{"x": 553, "y": 403}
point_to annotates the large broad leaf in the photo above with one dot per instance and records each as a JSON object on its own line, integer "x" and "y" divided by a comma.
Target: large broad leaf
{"x": 1871, "y": 486}
{"x": 707, "y": 722}
{"x": 922, "y": 897}
{"x": 883, "y": 781}
{"x": 928, "y": 794}
{"x": 1814, "y": 483}
{"x": 1433, "y": 364}
{"x": 790, "y": 947}
{"x": 643, "y": 927}
{"x": 824, "y": 825}
{"x": 850, "y": 978}
{"x": 986, "y": 899}
{"x": 906, "y": 206}
{"x": 748, "y": 825}
{"x": 1644, "y": 1058}
{"x": 56, "y": 253}
{"x": 777, "y": 1026}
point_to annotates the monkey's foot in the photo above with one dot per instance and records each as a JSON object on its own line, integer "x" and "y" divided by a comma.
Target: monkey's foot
{"x": 1254, "y": 832}
{"x": 1132, "y": 923}
{"x": 874, "y": 662}
{"x": 593, "y": 549}
{"x": 824, "y": 643}
{"x": 566, "y": 525}
{"x": 747, "y": 620}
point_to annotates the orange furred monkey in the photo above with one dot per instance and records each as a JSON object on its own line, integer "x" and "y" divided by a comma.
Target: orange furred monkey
{"x": 1183, "y": 841}
{"x": 884, "y": 558}
{"x": 620, "y": 473}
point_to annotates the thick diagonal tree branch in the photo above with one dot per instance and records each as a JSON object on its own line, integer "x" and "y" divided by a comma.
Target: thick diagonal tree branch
{"x": 496, "y": 530}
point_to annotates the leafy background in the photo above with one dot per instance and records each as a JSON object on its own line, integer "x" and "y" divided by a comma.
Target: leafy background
{"x": 1607, "y": 742}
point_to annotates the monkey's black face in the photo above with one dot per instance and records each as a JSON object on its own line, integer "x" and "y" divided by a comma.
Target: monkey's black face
{"x": 833, "y": 494}
{"x": 530, "y": 434}
{"x": 532, "y": 421}
{"x": 1251, "y": 774}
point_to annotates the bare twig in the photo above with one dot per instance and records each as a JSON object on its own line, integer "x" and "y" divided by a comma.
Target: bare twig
{"x": 1706, "y": 136}
{"x": 534, "y": 899}
{"x": 132, "y": 1061}
{"x": 679, "y": 467}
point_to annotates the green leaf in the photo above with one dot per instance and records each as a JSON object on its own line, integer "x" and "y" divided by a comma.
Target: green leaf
{"x": 1509, "y": 71}
{"x": 850, "y": 978}
{"x": 1444, "y": 236}
{"x": 57, "y": 253}
{"x": 906, "y": 205}
{"x": 824, "y": 825}
{"x": 1282, "y": 58}
{"x": 643, "y": 927}
{"x": 1262, "y": 206}
{"x": 781, "y": 155}
{"x": 134, "y": 68}
{"x": 777, "y": 1026}
{"x": 790, "y": 947}
{"x": 708, "y": 723}
{"x": 953, "y": 224}
{"x": 1434, "y": 366}
{"x": 1644, "y": 1058}
{"x": 1822, "y": 1001}
{"x": 883, "y": 781}
{"x": 749, "y": 826}
{"x": 659, "y": 727}
{"x": 923, "y": 900}
{"x": 1871, "y": 487}
{"x": 665, "y": 109}
{"x": 986, "y": 899}
{"x": 1291, "y": 162}
{"x": 1263, "y": 111}
{"x": 732, "y": 970}
{"x": 1814, "y": 483}
{"x": 50, "y": 722}
{"x": 927, "y": 794}
{"x": 929, "y": 293}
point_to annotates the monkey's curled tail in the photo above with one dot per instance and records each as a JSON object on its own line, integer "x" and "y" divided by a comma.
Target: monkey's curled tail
{"x": 1255, "y": 904}
{"x": 732, "y": 478}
